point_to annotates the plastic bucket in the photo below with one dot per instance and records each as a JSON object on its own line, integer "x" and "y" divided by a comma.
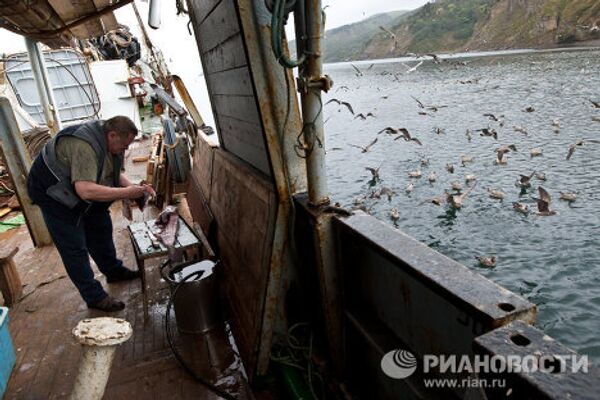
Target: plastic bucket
{"x": 7, "y": 352}
{"x": 196, "y": 297}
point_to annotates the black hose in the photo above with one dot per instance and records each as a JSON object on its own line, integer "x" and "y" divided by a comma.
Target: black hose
{"x": 176, "y": 353}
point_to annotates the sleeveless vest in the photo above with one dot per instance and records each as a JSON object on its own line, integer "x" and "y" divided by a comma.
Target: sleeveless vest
{"x": 60, "y": 188}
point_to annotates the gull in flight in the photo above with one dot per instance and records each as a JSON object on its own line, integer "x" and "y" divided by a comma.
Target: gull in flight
{"x": 342, "y": 103}
{"x": 543, "y": 203}
{"x": 365, "y": 148}
{"x": 579, "y": 143}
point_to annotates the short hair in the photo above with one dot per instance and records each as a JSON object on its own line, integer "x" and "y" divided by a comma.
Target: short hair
{"x": 123, "y": 126}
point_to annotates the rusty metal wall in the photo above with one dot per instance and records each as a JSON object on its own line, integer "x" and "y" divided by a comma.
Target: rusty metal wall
{"x": 400, "y": 294}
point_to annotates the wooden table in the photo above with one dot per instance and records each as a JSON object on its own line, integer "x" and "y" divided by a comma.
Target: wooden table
{"x": 140, "y": 234}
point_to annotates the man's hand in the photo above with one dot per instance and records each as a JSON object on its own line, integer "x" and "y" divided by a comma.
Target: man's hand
{"x": 134, "y": 191}
{"x": 148, "y": 189}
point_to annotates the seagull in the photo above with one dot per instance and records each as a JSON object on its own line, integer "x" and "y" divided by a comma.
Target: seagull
{"x": 502, "y": 158}
{"x": 522, "y": 208}
{"x": 506, "y": 149}
{"x": 342, "y": 103}
{"x": 413, "y": 69}
{"x": 570, "y": 197}
{"x": 392, "y": 34}
{"x": 596, "y": 119}
{"x": 389, "y": 130}
{"x": 525, "y": 180}
{"x": 358, "y": 71}
{"x": 488, "y": 132}
{"x": 407, "y": 136}
{"x": 470, "y": 177}
{"x": 469, "y": 134}
{"x": 415, "y": 174}
{"x": 556, "y": 125}
{"x": 409, "y": 187}
{"x": 501, "y": 152}
{"x": 529, "y": 109}
{"x": 455, "y": 200}
{"x": 489, "y": 262}
{"x": 537, "y": 151}
{"x": 359, "y": 200}
{"x": 439, "y": 130}
{"x": 456, "y": 185}
{"x": 363, "y": 116}
{"x": 426, "y": 107}
{"x": 541, "y": 176}
{"x": 493, "y": 117}
{"x": 432, "y": 177}
{"x": 520, "y": 129}
{"x": 543, "y": 203}
{"x": 374, "y": 172}
{"x": 465, "y": 159}
{"x": 450, "y": 168}
{"x": 386, "y": 191}
{"x": 394, "y": 214}
{"x": 437, "y": 200}
{"x": 367, "y": 147}
{"x": 435, "y": 57}
{"x": 580, "y": 143}
{"x": 496, "y": 194}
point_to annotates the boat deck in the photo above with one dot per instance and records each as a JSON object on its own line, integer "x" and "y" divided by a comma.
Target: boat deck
{"x": 144, "y": 366}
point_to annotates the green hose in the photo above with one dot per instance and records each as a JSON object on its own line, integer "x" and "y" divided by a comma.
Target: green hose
{"x": 294, "y": 383}
{"x": 277, "y": 18}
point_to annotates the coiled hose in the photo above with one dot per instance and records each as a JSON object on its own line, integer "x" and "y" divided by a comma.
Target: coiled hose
{"x": 176, "y": 353}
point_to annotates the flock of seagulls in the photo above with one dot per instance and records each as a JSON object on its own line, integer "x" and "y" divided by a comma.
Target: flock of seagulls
{"x": 455, "y": 197}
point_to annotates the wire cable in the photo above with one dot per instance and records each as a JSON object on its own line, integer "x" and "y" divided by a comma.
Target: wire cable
{"x": 176, "y": 353}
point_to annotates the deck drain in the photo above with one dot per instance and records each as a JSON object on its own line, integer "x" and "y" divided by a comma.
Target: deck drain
{"x": 506, "y": 307}
{"x": 520, "y": 340}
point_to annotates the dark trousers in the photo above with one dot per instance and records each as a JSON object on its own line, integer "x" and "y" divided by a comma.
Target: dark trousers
{"x": 77, "y": 239}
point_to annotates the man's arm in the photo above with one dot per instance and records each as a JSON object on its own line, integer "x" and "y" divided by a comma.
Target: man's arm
{"x": 91, "y": 191}
{"x": 125, "y": 182}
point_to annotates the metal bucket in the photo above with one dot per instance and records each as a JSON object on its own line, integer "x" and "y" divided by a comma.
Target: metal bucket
{"x": 196, "y": 298}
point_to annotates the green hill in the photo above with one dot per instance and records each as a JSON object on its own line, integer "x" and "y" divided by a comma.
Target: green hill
{"x": 459, "y": 25}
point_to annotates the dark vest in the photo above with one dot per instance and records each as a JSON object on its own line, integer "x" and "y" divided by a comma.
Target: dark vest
{"x": 50, "y": 180}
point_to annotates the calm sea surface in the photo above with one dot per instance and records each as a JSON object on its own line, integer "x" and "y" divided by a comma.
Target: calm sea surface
{"x": 552, "y": 261}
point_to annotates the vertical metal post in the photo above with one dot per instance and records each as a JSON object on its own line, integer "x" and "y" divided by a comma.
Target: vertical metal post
{"x": 16, "y": 158}
{"x": 312, "y": 82}
{"x": 42, "y": 82}
{"x": 312, "y": 106}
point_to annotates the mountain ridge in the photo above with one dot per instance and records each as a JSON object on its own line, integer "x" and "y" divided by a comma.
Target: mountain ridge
{"x": 466, "y": 25}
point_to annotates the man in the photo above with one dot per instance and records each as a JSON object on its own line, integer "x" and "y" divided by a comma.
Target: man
{"x": 74, "y": 180}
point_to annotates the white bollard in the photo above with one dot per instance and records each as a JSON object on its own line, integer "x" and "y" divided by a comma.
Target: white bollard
{"x": 100, "y": 338}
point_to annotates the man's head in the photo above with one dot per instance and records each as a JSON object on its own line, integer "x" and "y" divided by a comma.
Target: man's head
{"x": 120, "y": 132}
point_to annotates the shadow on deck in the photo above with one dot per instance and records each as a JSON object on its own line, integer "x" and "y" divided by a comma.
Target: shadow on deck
{"x": 48, "y": 356}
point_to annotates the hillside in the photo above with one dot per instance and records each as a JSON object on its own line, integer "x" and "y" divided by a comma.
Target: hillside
{"x": 459, "y": 25}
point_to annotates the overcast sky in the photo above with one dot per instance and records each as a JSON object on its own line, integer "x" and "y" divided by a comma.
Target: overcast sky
{"x": 180, "y": 49}
{"x": 339, "y": 12}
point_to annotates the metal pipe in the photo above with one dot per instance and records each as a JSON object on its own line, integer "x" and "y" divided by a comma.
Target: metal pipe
{"x": 17, "y": 161}
{"x": 43, "y": 84}
{"x": 154, "y": 14}
{"x": 100, "y": 338}
{"x": 312, "y": 106}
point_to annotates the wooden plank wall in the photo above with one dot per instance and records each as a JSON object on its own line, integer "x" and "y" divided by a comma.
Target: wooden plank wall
{"x": 220, "y": 43}
{"x": 236, "y": 206}
{"x": 232, "y": 193}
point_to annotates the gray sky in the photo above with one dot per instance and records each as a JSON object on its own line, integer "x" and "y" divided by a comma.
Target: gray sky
{"x": 339, "y": 12}
{"x": 180, "y": 49}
